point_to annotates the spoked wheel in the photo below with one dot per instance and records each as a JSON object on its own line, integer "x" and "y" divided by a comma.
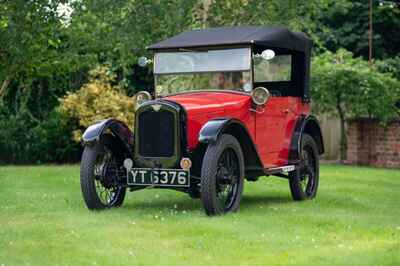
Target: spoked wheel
{"x": 227, "y": 178}
{"x": 222, "y": 176}
{"x": 99, "y": 171}
{"x": 304, "y": 181}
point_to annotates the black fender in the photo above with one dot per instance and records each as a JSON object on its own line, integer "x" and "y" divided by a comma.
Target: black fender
{"x": 118, "y": 128}
{"x": 211, "y": 131}
{"x": 305, "y": 124}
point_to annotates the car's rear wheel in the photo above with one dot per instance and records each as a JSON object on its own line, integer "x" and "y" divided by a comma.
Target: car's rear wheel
{"x": 304, "y": 180}
{"x": 222, "y": 176}
{"x": 99, "y": 170}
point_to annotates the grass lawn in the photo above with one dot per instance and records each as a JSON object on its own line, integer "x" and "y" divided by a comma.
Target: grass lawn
{"x": 355, "y": 220}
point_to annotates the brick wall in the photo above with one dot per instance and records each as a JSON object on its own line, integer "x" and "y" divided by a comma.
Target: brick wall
{"x": 371, "y": 143}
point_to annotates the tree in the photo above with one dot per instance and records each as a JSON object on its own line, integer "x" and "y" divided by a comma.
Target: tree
{"x": 117, "y": 32}
{"x": 297, "y": 15}
{"x": 30, "y": 41}
{"x": 345, "y": 24}
{"x": 348, "y": 88}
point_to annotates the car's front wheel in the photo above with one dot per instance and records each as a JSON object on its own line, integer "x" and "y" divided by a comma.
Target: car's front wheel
{"x": 304, "y": 180}
{"x": 99, "y": 168}
{"x": 222, "y": 176}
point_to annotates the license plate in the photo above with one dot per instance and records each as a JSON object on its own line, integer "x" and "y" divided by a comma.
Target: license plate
{"x": 158, "y": 177}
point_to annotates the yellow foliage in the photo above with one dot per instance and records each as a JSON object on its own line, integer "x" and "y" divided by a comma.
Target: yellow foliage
{"x": 98, "y": 100}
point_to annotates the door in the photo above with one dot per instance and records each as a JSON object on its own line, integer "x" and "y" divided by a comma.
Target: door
{"x": 271, "y": 121}
{"x": 273, "y": 72}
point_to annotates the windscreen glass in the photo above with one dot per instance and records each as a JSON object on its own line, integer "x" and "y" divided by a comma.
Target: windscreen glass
{"x": 177, "y": 72}
{"x": 202, "y": 61}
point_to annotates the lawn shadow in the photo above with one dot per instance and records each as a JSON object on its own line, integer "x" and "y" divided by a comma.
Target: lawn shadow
{"x": 264, "y": 200}
{"x": 179, "y": 204}
{"x": 189, "y": 204}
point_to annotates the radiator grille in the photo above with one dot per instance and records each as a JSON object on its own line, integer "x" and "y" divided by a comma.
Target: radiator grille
{"x": 156, "y": 134}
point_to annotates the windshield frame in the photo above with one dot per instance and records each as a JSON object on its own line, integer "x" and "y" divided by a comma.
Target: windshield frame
{"x": 204, "y": 49}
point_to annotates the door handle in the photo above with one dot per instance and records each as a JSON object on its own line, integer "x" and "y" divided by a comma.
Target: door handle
{"x": 257, "y": 111}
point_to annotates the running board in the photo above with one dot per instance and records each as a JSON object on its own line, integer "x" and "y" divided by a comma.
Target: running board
{"x": 280, "y": 170}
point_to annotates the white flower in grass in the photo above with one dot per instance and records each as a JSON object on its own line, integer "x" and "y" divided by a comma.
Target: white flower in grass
{"x": 175, "y": 206}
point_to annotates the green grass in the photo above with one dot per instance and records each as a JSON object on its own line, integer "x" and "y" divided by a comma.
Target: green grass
{"x": 355, "y": 220}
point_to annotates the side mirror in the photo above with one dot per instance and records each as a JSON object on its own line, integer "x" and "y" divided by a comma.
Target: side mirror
{"x": 268, "y": 54}
{"x": 144, "y": 61}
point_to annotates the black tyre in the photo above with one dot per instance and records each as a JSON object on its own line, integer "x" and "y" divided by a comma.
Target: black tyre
{"x": 194, "y": 193}
{"x": 304, "y": 181}
{"x": 222, "y": 176}
{"x": 99, "y": 168}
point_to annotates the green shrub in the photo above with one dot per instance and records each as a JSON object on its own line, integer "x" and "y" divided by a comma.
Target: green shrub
{"x": 23, "y": 139}
{"x": 96, "y": 100}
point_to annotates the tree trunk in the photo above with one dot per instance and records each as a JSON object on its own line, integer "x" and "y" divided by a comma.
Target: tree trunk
{"x": 4, "y": 85}
{"x": 343, "y": 138}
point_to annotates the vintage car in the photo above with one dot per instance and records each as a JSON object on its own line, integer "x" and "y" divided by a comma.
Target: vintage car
{"x": 229, "y": 104}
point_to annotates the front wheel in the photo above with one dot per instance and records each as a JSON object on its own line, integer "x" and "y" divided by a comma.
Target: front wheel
{"x": 99, "y": 168}
{"x": 304, "y": 180}
{"x": 222, "y": 176}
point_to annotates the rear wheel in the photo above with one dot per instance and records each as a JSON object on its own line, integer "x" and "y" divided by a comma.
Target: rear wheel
{"x": 222, "y": 176}
{"x": 99, "y": 170}
{"x": 304, "y": 180}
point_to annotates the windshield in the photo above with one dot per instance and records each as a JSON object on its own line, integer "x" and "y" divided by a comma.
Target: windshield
{"x": 177, "y": 72}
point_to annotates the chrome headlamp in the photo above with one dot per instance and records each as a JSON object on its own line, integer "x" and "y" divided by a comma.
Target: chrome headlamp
{"x": 260, "y": 95}
{"x": 142, "y": 97}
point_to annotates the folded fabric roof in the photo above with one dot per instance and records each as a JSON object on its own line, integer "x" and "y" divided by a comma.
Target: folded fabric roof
{"x": 271, "y": 36}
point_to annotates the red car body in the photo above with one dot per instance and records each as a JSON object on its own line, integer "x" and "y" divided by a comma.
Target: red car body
{"x": 271, "y": 126}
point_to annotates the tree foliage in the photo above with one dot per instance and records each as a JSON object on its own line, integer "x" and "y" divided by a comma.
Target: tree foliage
{"x": 345, "y": 24}
{"x": 34, "y": 43}
{"x": 341, "y": 82}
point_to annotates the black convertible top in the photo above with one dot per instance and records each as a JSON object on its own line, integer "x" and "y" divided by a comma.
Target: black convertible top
{"x": 271, "y": 36}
